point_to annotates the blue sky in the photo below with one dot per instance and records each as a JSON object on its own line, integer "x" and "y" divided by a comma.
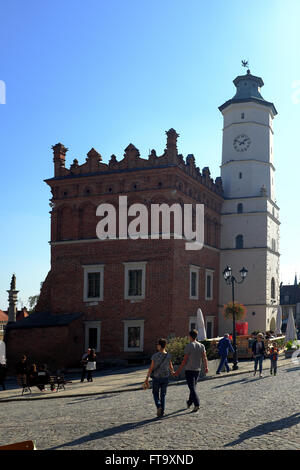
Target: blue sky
{"x": 104, "y": 73}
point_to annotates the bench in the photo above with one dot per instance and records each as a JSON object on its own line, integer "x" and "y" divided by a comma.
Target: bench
{"x": 57, "y": 382}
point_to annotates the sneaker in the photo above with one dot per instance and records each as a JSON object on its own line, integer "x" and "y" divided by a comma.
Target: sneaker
{"x": 218, "y": 373}
{"x": 159, "y": 412}
{"x": 260, "y": 375}
{"x": 254, "y": 373}
{"x": 195, "y": 409}
{"x": 271, "y": 372}
{"x": 187, "y": 404}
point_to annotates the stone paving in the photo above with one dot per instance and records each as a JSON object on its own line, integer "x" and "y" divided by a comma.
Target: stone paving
{"x": 237, "y": 412}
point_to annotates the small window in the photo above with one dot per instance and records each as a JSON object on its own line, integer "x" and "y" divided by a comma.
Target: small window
{"x": 93, "y": 338}
{"x": 209, "y": 285}
{"x": 243, "y": 116}
{"x": 134, "y": 335}
{"x": 240, "y": 175}
{"x": 272, "y": 288}
{"x": 240, "y": 208}
{"x": 135, "y": 279}
{"x": 135, "y": 282}
{"x": 194, "y": 280}
{"x": 239, "y": 242}
{"x": 93, "y": 283}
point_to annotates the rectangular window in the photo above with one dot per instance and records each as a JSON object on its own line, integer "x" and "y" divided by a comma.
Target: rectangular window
{"x": 134, "y": 335}
{"x": 209, "y": 285}
{"x": 135, "y": 280}
{"x": 93, "y": 283}
{"x": 92, "y": 335}
{"x": 194, "y": 282}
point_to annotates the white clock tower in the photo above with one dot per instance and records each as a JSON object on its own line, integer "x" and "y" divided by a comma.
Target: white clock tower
{"x": 250, "y": 215}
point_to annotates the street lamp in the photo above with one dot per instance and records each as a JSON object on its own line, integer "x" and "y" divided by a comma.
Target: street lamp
{"x": 231, "y": 281}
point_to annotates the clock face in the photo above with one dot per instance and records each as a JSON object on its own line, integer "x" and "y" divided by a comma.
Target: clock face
{"x": 241, "y": 143}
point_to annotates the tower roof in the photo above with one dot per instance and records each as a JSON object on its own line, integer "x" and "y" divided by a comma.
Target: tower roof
{"x": 248, "y": 89}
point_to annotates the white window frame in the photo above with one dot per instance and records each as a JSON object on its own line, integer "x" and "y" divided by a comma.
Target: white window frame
{"x": 140, "y": 265}
{"x": 93, "y": 268}
{"x": 87, "y": 326}
{"x": 194, "y": 269}
{"x": 210, "y": 319}
{"x": 133, "y": 323}
{"x": 192, "y": 320}
{"x": 209, "y": 272}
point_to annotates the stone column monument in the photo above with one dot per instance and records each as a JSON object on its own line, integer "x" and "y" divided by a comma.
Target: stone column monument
{"x": 12, "y": 299}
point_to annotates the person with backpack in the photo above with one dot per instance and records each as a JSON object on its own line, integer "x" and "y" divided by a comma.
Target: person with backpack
{"x": 161, "y": 364}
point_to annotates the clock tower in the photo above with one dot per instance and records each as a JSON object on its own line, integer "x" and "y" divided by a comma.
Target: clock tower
{"x": 250, "y": 215}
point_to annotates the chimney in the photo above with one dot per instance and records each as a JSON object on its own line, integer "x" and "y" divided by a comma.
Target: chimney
{"x": 59, "y": 158}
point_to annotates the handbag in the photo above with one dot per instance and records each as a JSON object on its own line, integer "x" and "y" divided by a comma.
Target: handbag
{"x": 91, "y": 365}
{"x": 157, "y": 367}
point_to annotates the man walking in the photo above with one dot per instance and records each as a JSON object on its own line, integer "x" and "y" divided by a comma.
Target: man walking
{"x": 194, "y": 354}
{"x": 223, "y": 347}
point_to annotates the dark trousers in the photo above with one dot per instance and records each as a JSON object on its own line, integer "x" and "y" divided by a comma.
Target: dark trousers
{"x": 83, "y": 373}
{"x": 159, "y": 390}
{"x": 89, "y": 375}
{"x": 191, "y": 379}
{"x": 273, "y": 366}
{"x": 258, "y": 360}
{"x": 223, "y": 362}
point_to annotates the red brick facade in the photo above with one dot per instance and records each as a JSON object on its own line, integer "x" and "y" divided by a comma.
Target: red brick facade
{"x": 166, "y": 308}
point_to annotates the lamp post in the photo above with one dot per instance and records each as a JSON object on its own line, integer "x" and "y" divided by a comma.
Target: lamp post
{"x": 231, "y": 281}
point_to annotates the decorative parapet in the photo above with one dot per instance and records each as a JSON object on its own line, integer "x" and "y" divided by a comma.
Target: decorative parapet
{"x": 132, "y": 160}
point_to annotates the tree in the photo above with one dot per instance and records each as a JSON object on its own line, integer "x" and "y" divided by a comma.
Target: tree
{"x": 32, "y": 301}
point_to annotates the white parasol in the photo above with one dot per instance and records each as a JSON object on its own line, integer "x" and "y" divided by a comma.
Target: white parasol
{"x": 278, "y": 321}
{"x": 200, "y": 325}
{"x": 290, "y": 334}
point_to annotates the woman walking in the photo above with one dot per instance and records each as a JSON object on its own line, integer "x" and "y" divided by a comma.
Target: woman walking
{"x": 258, "y": 350}
{"x": 91, "y": 364}
{"x": 160, "y": 366}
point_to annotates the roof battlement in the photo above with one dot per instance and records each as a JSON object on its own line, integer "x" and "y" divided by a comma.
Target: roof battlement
{"x": 133, "y": 161}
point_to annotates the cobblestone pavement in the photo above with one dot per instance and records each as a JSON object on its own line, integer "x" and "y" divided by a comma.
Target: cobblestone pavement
{"x": 242, "y": 412}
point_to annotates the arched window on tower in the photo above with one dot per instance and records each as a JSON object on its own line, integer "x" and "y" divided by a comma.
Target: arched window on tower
{"x": 272, "y": 288}
{"x": 240, "y": 208}
{"x": 239, "y": 241}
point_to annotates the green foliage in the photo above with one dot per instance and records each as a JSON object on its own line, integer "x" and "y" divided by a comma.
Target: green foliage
{"x": 291, "y": 345}
{"x": 32, "y": 301}
{"x": 176, "y": 347}
{"x": 231, "y": 308}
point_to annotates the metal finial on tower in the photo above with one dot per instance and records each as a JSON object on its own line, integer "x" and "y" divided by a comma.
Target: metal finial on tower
{"x": 245, "y": 63}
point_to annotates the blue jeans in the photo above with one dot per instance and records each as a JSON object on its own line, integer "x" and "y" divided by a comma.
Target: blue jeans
{"x": 224, "y": 361}
{"x": 159, "y": 390}
{"x": 258, "y": 359}
{"x": 191, "y": 379}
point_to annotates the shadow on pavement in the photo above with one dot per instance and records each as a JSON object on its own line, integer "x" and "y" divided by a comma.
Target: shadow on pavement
{"x": 116, "y": 430}
{"x": 266, "y": 428}
{"x": 231, "y": 383}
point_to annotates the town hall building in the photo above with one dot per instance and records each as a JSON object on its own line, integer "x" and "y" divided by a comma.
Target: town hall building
{"x": 120, "y": 295}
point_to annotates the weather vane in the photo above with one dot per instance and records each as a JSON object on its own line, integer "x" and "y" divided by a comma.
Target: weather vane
{"x": 245, "y": 63}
